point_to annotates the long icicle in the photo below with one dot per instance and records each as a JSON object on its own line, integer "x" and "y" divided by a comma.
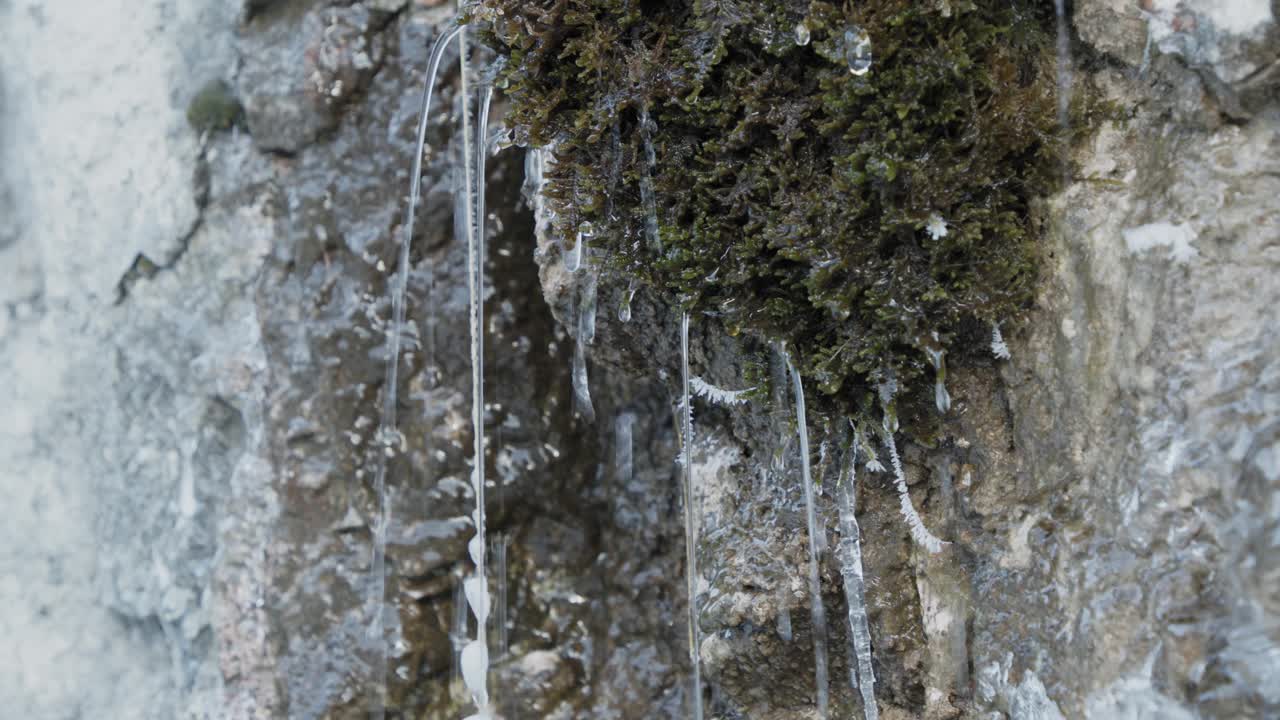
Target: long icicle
{"x": 690, "y": 528}
{"x": 816, "y": 610}
{"x": 475, "y": 656}
{"x": 849, "y": 552}
{"x": 389, "y": 432}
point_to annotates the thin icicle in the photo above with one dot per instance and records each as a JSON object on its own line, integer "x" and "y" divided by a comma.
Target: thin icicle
{"x": 719, "y": 395}
{"x": 938, "y": 359}
{"x": 919, "y": 532}
{"x": 624, "y": 310}
{"x": 587, "y": 309}
{"x": 816, "y": 609}
{"x": 586, "y": 335}
{"x": 998, "y": 346}
{"x": 849, "y": 553}
{"x": 690, "y": 528}
{"x": 388, "y": 430}
{"x": 648, "y": 198}
{"x": 573, "y": 258}
{"x": 475, "y": 656}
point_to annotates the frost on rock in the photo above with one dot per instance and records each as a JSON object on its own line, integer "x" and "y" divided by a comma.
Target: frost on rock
{"x": 919, "y": 532}
{"x": 998, "y": 346}
{"x": 1176, "y": 238}
{"x": 936, "y": 227}
{"x": 1207, "y": 32}
{"x": 718, "y": 395}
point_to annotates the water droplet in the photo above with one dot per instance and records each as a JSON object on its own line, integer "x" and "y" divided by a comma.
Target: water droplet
{"x": 802, "y": 33}
{"x": 857, "y": 50}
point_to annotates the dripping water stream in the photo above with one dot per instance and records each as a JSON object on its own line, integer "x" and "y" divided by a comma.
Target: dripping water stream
{"x": 690, "y": 528}
{"x": 388, "y": 432}
{"x": 475, "y": 656}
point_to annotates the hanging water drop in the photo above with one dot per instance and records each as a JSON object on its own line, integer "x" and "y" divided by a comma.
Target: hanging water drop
{"x": 802, "y": 34}
{"x": 857, "y": 50}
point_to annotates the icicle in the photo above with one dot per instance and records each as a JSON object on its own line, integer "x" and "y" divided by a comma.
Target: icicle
{"x": 586, "y": 334}
{"x": 573, "y": 259}
{"x": 998, "y": 346}
{"x": 624, "y": 310}
{"x": 623, "y": 451}
{"x": 849, "y": 553}
{"x": 690, "y": 528}
{"x": 475, "y": 656}
{"x": 648, "y": 199}
{"x": 388, "y": 427}
{"x": 938, "y": 359}
{"x": 919, "y": 532}
{"x": 719, "y": 395}
{"x": 811, "y": 515}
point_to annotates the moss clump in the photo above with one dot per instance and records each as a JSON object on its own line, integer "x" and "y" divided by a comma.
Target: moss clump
{"x": 794, "y": 197}
{"x": 214, "y": 108}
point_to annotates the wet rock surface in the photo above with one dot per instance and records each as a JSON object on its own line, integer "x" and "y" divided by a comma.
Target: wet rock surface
{"x": 210, "y": 432}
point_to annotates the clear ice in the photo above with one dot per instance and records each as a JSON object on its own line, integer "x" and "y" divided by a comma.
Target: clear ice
{"x": 816, "y": 609}
{"x": 849, "y": 554}
{"x": 690, "y": 526}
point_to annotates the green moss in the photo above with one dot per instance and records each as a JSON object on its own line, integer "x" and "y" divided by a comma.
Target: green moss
{"x": 793, "y": 196}
{"x": 214, "y": 108}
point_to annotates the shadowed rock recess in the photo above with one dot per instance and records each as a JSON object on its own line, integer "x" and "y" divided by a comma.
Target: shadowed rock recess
{"x": 212, "y": 365}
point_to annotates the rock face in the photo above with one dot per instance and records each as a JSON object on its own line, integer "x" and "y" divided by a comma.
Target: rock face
{"x": 191, "y": 336}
